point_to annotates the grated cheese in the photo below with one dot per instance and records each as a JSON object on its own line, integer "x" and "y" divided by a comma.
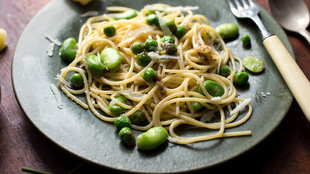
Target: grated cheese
{"x": 207, "y": 116}
{"x": 241, "y": 106}
{"x": 50, "y": 49}
{"x": 57, "y": 95}
{"x": 90, "y": 13}
{"x": 55, "y": 41}
{"x": 163, "y": 25}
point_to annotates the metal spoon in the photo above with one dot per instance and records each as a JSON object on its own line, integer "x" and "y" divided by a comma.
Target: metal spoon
{"x": 293, "y": 15}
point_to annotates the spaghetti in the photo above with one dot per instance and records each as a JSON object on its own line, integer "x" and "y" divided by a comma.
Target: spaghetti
{"x": 167, "y": 102}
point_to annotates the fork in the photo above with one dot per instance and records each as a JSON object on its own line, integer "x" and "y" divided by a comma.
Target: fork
{"x": 290, "y": 71}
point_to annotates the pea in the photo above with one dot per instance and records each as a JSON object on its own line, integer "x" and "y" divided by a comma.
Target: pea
{"x": 68, "y": 50}
{"x": 121, "y": 122}
{"x": 246, "y": 40}
{"x": 126, "y": 15}
{"x": 143, "y": 59}
{"x": 138, "y": 117}
{"x": 171, "y": 25}
{"x": 196, "y": 106}
{"x": 170, "y": 48}
{"x": 137, "y": 47}
{"x": 151, "y": 45}
{"x": 241, "y": 78}
{"x": 116, "y": 109}
{"x": 152, "y": 138}
{"x": 111, "y": 58}
{"x": 227, "y": 31}
{"x": 213, "y": 88}
{"x": 109, "y": 31}
{"x": 167, "y": 39}
{"x": 149, "y": 75}
{"x": 127, "y": 136}
{"x": 152, "y": 19}
{"x": 255, "y": 65}
{"x": 224, "y": 71}
{"x": 77, "y": 80}
{"x": 94, "y": 64}
{"x": 180, "y": 31}
{"x": 150, "y": 12}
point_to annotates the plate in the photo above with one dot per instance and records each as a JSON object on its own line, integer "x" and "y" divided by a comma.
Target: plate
{"x": 81, "y": 133}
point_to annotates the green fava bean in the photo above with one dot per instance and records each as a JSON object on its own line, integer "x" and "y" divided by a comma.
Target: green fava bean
{"x": 127, "y": 136}
{"x": 196, "y": 106}
{"x": 253, "y": 64}
{"x": 94, "y": 64}
{"x": 152, "y": 138}
{"x": 126, "y": 15}
{"x": 68, "y": 50}
{"x": 180, "y": 31}
{"x": 150, "y": 45}
{"x": 121, "y": 122}
{"x": 241, "y": 78}
{"x": 246, "y": 40}
{"x": 213, "y": 88}
{"x": 111, "y": 58}
{"x": 77, "y": 80}
{"x": 227, "y": 31}
{"x": 170, "y": 23}
{"x": 137, "y": 118}
{"x": 116, "y": 109}
{"x": 149, "y": 75}
{"x": 170, "y": 48}
{"x": 167, "y": 39}
{"x": 109, "y": 31}
{"x": 137, "y": 47}
{"x": 224, "y": 71}
{"x": 143, "y": 59}
{"x": 152, "y": 19}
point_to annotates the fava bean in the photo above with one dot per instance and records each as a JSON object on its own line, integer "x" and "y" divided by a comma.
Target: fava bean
{"x": 116, "y": 109}
{"x": 227, "y": 31}
{"x": 255, "y": 65}
{"x": 152, "y": 138}
{"x": 143, "y": 59}
{"x": 196, "y": 106}
{"x": 77, "y": 80}
{"x": 127, "y": 136}
{"x": 137, "y": 47}
{"x": 109, "y": 31}
{"x": 126, "y": 15}
{"x": 170, "y": 48}
{"x": 246, "y": 40}
{"x": 167, "y": 39}
{"x": 138, "y": 117}
{"x": 170, "y": 23}
{"x": 152, "y": 19}
{"x": 224, "y": 71}
{"x": 94, "y": 64}
{"x": 213, "y": 88}
{"x": 68, "y": 50}
{"x": 150, "y": 45}
{"x": 241, "y": 78}
{"x": 180, "y": 31}
{"x": 111, "y": 58}
{"x": 149, "y": 75}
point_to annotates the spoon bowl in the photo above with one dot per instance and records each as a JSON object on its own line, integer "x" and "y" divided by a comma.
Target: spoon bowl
{"x": 292, "y": 15}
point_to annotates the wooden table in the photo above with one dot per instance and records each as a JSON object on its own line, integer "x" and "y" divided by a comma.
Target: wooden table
{"x": 285, "y": 151}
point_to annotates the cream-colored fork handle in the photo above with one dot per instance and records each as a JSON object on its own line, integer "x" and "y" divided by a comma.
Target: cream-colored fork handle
{"x": 291, "y": 73}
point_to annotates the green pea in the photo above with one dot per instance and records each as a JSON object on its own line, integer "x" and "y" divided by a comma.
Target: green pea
{"x": 143, "y": 59}
{"x": 127, "y": 136}
{"x": 170, "y": 23}
{"x": 150, "y": 45}
{"x": 196, "y": 106}
{"x": 137, "y": 47}
{"x": 213, "y": 88}
{"x": 150, "y": 12}
{"x": 77, "y": 80}
{"x": 152, "y": 138}
{"x": 121, "y": 122}
{"x": 227, "y": 31}
{"x": 149, "y": 75}
{"x": 94, "y": 64}
{"x": 224, "y": 71}
{"x": 170, "y": 48}
{"x": 255, "y": 65}
{"x": 167, "y": 39}
{"x": 138, "y": 117}
{"x": 116, "y": 109}
{"x": 126, "y": 15}
{"x": 246, "y": 40}
{"x": 241, "y": 78}
{"x": 152, "y": 19}
{"x": 109, "y": 31}
{"x": 180, "y": 31}
{"x": 68, "y": 50}
{"x": 111, "y": 58}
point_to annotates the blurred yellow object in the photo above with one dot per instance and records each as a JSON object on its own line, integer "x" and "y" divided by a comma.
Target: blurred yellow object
{"x": 83, "y": 2}
{"x": 2, "y": 39}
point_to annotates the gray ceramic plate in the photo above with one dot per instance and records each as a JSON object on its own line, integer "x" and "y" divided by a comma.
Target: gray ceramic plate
{"x": 81, "y": 133}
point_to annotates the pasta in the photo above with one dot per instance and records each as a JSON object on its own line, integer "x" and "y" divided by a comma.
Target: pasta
{"x": 166, "y": 102}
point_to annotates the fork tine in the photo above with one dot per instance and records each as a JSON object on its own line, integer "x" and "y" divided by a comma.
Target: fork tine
{"x": 232, "y": 7}
{"x": 244, "y": 3}
{"x": 239, "y": 6}
{"x": 251, "y": 3}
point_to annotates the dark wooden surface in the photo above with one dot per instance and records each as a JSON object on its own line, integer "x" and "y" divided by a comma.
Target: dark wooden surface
{"x": 286, "y": 151}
